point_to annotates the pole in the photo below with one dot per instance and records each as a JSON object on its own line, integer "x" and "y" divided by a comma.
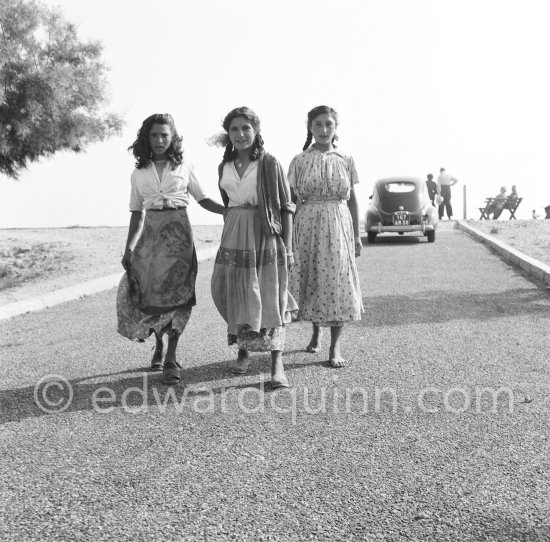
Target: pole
{"x": 464, "y": 202}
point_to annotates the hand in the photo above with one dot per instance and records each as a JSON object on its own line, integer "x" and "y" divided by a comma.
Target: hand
{"x": 289, "y": 259}
{"x": 126, "y": 259}
{"x": 358, "y": 246}
{"x": 224, "y": 213}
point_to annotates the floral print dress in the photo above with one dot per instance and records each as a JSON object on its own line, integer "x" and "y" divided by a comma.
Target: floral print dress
{"x": 324, "y": 279}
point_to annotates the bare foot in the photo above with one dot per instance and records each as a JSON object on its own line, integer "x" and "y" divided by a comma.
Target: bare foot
{"x": 278, "y": 376}
{"x": 315, "y": 344}
{"x": 241, "y": 365}
{"x": 335, "y": 358}
{"x": 279, "y": 381}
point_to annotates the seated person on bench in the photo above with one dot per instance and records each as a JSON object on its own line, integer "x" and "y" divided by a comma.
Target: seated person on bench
{"x": 499, "y": 203}
{"x": 512, "y": 198}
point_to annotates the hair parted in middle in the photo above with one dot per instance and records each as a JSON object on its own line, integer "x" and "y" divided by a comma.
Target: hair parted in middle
{"x": 315, "y": 112}
{"x": 141, "y": 148}
{"x": 257, "y": 148}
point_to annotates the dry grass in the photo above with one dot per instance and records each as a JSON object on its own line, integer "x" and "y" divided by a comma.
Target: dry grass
{"x": 36, "y": 261}
{"x": 532, "y": 237}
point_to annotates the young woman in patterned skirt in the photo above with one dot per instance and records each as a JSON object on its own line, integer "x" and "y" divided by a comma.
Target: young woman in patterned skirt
{"x": 156, "y": 293}
{"x": 250, "y": 278}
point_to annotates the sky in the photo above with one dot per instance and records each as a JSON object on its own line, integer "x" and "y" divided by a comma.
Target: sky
{"x": 418, "y": 85}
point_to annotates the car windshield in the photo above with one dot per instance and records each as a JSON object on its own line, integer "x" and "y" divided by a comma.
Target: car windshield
{"x": 400, "y": 187}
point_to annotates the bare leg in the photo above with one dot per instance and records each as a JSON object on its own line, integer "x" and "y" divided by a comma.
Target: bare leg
{"x": 335, "y": 356}
{"x": 278, "y": 376}
{"x": 315, "y": 343}
{"x": 172, "y": 369}
{"x": 241, "y": 365}
{"x": 156, "y": 362}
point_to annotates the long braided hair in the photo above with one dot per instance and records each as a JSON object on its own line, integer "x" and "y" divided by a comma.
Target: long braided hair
{"x": 257, "y": 148}
{"x": 141, "y": 148}
{"x": 315, "y": 112}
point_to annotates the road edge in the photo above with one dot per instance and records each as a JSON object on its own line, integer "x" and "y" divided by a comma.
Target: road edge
{"x": 531, "y": 266}
{"x": 77, "y": 291}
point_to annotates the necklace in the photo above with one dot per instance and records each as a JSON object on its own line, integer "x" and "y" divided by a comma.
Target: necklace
{"x": 240, "y": 162}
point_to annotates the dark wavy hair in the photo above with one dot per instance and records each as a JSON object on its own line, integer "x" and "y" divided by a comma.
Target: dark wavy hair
{"x": 315, "y": 112}
{"x": 141, "y": 148}
{"x": 257, "y": 148}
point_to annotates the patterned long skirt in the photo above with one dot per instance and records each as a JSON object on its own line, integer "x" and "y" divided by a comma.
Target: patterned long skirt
{"x": 157, "y": 293}
{"x": 324, "y": 279}
{"x": 250, "y": 283}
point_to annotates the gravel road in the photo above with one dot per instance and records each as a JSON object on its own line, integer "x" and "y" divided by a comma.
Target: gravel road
{"x": 407, "y": 443}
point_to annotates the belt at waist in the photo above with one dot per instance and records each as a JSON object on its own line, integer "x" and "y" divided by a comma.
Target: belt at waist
{"x": 167, "y": 209}
{"x": 321, "y": 199}
{"x": 245, "y": 206}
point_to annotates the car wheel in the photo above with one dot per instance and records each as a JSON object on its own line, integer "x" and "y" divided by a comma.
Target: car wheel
{"x": 431, "y": 236}
{"x": 371, "y": 236}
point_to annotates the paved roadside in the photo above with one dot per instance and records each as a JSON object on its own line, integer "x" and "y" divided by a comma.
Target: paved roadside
{"x": 437, "y": 430}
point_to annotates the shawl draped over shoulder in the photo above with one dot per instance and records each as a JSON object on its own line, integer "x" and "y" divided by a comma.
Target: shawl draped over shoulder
{"x": 273, "y": 194}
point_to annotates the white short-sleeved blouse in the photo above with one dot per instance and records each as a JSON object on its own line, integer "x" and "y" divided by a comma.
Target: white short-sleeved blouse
{"x": 240, "y": 191}
{"x": 172, "y": 190}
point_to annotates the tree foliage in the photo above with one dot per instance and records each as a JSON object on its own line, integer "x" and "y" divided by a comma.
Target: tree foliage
{"x": 52, "y": 87}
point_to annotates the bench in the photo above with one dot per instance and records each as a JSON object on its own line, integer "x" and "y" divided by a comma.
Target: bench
{"x": 490, "y": 207}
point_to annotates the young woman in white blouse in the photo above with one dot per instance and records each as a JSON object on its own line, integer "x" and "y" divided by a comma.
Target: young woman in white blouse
{"x": 250, "y": 278}
{"x": 157, "y": 291}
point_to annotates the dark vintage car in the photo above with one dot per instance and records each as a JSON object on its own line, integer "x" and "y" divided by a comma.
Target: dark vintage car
{"x": 400, "y": 204}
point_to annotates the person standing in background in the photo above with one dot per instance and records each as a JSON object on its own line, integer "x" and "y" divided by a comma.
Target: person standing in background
{"x": 432, "y": 188}
{"x": 444, "y": 183}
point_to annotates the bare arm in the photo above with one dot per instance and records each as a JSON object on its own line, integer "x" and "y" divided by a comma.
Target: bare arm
{"x": 354, "y": 210}
{"x": 286, "y": 219}
{"x": 453, "y": 181}
{"x": 134, "y": 231}
{"x": 287, "y": 222}
{"x": 212, "y": 206}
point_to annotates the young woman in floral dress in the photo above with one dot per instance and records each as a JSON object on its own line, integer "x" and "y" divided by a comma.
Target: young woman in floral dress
{"x": 325, "y": 282}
